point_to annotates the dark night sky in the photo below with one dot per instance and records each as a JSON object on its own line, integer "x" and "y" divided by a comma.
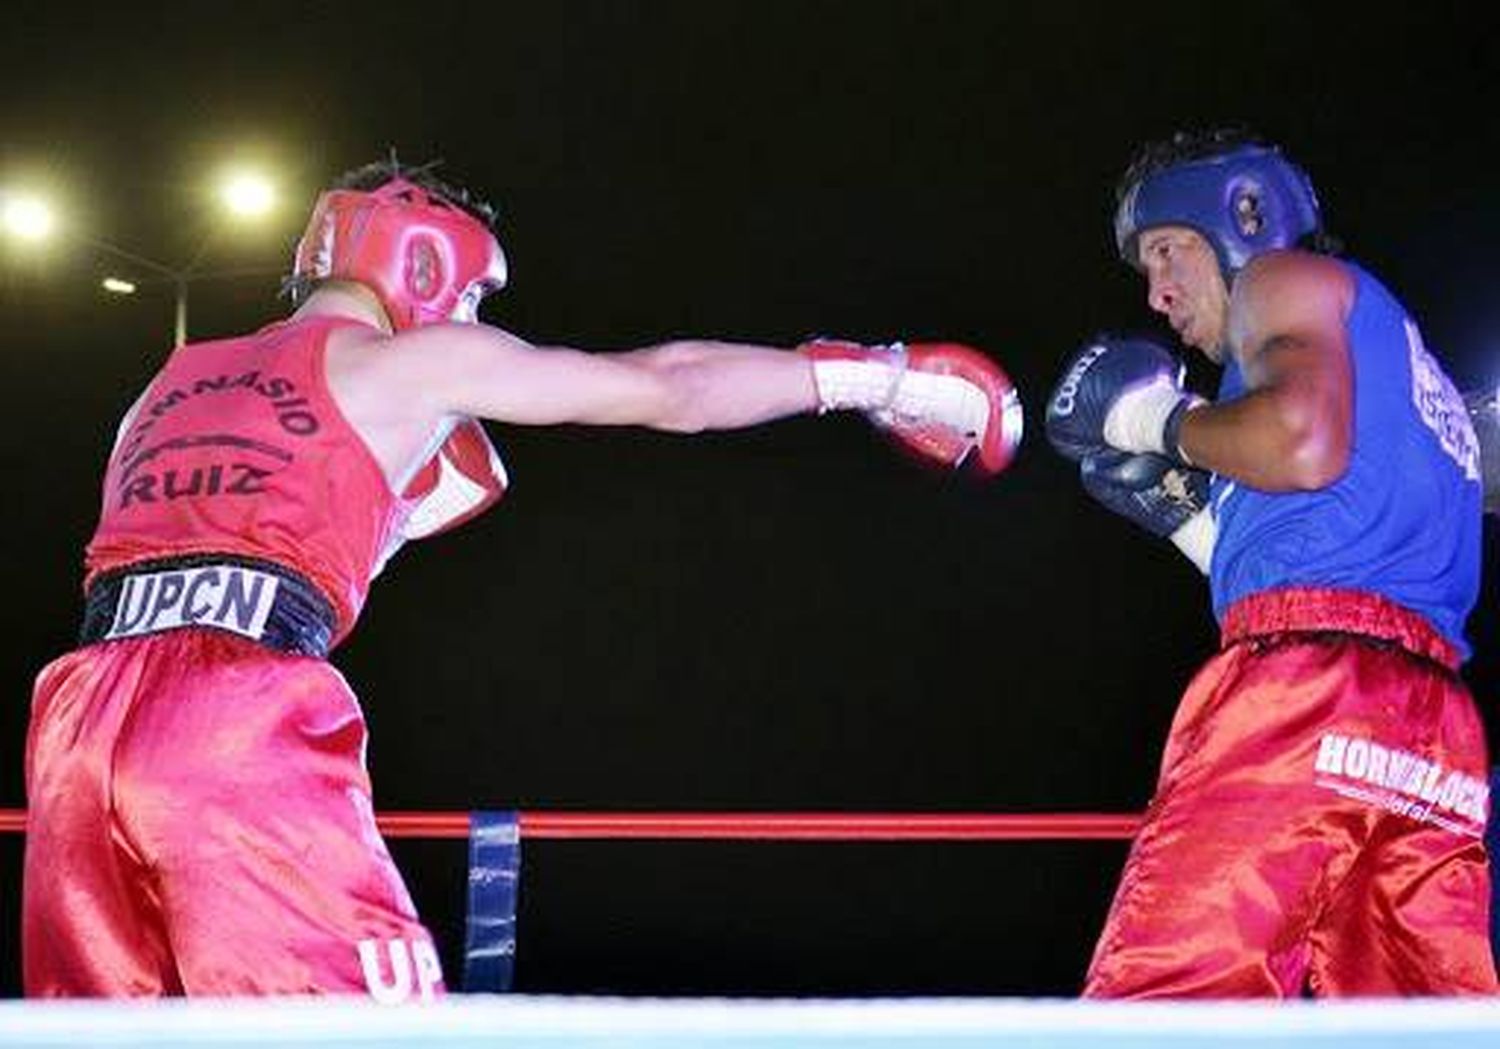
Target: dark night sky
{"x": 789, "y": 618}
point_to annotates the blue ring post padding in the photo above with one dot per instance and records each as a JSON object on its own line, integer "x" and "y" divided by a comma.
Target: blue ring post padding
{"x": 494, "y": 877}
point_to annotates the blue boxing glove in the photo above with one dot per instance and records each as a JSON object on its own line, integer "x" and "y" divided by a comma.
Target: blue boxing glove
{"x": 1125, "y": 394}
{"x": 1165, "y": 498}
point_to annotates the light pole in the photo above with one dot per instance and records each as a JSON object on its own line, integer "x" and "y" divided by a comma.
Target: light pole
{"x": 245, "y": 195}
{"x": 119, "y": 286}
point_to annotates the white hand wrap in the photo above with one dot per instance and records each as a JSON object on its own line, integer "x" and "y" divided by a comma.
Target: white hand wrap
{"x": 1196, "y": 538}
{"x": 861, "y": 383}
{"x": 1137, "y": 421}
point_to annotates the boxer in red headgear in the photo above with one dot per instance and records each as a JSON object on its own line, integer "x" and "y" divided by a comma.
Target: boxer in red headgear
{"x": 200, "y": 816}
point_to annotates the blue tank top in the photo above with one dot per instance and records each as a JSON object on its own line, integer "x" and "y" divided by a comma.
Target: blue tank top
{"x": 1404, "y": 519}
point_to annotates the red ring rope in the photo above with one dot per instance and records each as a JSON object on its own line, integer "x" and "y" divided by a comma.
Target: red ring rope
{"x": 758, "y": 826}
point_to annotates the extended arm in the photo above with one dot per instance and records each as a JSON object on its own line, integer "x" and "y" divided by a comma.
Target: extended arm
{"x": 681, "y": 386}
{"x": 943, "y": 400}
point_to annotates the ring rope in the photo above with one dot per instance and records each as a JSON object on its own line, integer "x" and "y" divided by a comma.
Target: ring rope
{"x": 758, "y": 826}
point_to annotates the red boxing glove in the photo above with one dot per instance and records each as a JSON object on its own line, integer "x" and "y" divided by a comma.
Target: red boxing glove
{"x": 464, "y": 479}
{"x": 942, "y": 400}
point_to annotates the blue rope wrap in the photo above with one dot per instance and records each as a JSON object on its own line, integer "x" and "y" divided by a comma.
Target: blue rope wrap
{"x": 494, "y": 878}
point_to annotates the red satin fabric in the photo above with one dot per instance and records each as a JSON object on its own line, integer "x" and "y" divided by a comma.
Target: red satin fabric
{"x": 201, "y": 823}
{"x": 1318, "y": 821}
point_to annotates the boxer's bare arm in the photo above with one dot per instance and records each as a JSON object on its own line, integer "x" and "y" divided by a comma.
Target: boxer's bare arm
{"x": 1294, "y": 427}
{"x": 396, "y": 389}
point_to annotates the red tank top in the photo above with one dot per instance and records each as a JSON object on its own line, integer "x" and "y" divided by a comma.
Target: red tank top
{"x": 237, "y": 447}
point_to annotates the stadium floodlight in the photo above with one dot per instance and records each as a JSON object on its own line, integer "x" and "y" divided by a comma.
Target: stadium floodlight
{"x": 26, "y": 217}
{"x": 247, "y": 194}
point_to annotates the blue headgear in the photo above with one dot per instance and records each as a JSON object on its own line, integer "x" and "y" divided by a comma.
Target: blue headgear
{"x": 1244, "y": 201}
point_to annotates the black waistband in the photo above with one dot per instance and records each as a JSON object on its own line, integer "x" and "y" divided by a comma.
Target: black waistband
{"x": 260, "y": 600}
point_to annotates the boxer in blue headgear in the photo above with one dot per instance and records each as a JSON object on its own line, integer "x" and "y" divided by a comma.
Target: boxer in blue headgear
{"x": 1244, "y": 201}
{"x": 1318, "y": 824}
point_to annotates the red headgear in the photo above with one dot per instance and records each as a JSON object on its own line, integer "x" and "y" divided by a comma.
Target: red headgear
{"x": 426, "y": 259}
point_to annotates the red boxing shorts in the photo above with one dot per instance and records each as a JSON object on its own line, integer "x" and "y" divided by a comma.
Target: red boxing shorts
{"x": 1319, "y": 819}
{"x": 200, "y": 823}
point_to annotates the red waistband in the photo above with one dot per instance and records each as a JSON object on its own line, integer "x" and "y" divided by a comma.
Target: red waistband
{"x": 1345, "y": 611}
